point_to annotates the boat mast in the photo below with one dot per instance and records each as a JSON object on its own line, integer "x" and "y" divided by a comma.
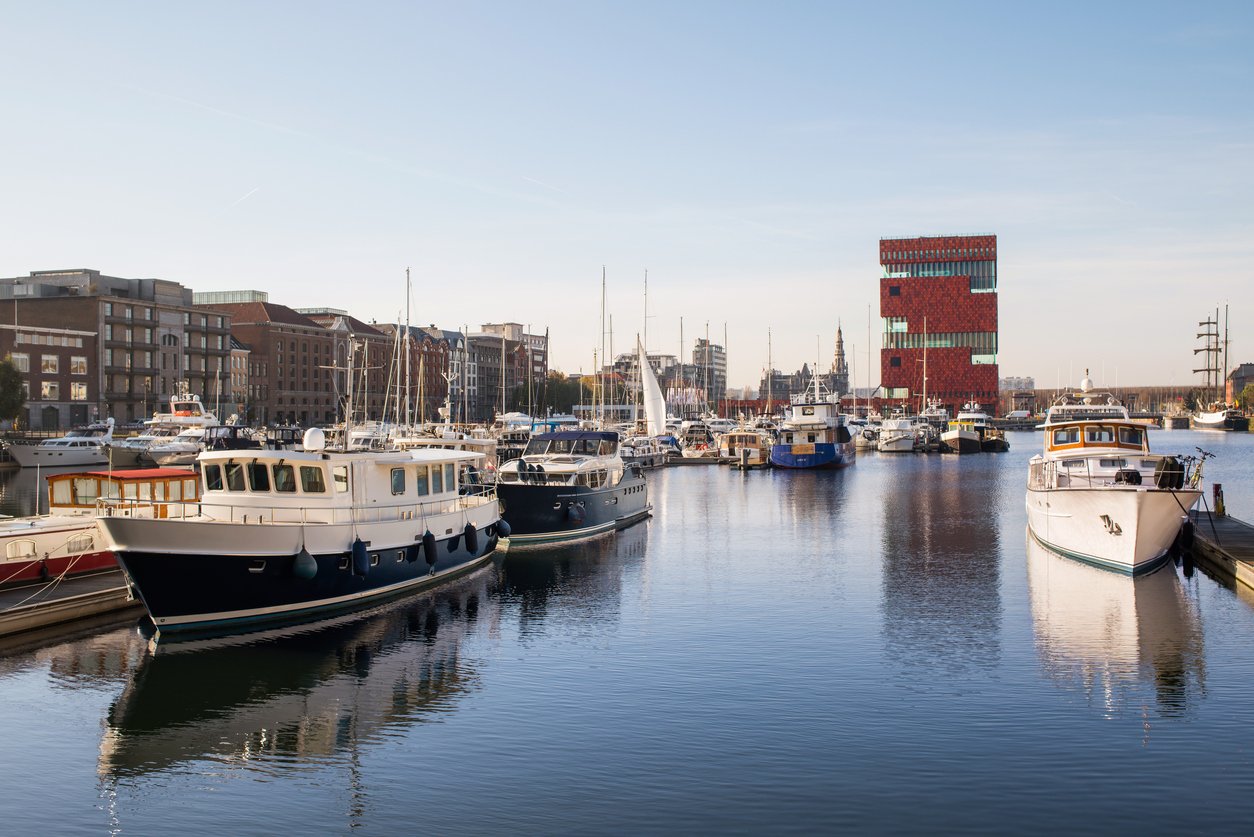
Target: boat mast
{"x": 408, "y": 416}
{"x": 770, "y": 371}
{"x": 1223, "y": 382}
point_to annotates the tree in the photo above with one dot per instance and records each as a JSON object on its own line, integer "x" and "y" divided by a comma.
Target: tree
{"x": 1246, "y": 398}
{"x": 12, "y": 396}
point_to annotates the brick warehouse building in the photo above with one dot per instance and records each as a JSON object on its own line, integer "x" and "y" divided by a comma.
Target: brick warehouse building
{"x": 945, "y": 286}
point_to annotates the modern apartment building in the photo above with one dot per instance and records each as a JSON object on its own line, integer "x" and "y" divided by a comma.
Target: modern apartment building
{"x": 938, "y": 297}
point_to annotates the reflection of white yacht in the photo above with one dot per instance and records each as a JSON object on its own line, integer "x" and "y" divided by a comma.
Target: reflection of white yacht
{"x": 84, "y": 446}
{"x": 1109, "y": 635}
{"x": 1097, "y": 494}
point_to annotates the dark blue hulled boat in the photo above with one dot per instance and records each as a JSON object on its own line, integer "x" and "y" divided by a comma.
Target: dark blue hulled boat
{"x": 283, "y": 536}
{"x": 815, "y": 435}
{"x": 569, "y": 485}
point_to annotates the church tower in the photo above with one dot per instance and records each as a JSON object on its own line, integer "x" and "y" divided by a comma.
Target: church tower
{"x": 839, "y": 382}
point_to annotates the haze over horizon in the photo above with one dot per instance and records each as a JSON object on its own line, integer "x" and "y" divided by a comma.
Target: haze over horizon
{"x": 749, "y": 157}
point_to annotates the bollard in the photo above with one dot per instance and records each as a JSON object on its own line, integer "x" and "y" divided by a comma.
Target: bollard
{"x": 1219, "y": 500}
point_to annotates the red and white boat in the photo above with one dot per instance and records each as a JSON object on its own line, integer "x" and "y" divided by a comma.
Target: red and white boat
{"x": 66, "y": 541}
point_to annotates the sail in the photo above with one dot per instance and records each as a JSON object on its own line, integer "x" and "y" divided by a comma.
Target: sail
{"x": 654, "y": 404}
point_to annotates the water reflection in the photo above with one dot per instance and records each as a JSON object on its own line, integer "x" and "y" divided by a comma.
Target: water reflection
{"x": 24, "y": 491}
{"x": 1109, "y": 636}
{"x": 299, "y": 695}
{"x": 586, "y": 576}
{"x": 941, "y": 582}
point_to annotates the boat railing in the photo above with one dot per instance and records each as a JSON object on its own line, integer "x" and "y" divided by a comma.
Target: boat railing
{"x": 263, "y": 515}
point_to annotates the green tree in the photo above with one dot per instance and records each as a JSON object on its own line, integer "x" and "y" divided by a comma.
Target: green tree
{"x": 12, "y": 396}
{"x": 1246, "y": 398}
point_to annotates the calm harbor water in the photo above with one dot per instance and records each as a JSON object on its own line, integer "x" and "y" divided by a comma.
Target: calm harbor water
{"x": 874, "y": 650}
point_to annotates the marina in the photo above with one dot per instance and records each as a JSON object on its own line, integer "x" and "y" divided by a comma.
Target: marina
{"x": 972, "y": 665}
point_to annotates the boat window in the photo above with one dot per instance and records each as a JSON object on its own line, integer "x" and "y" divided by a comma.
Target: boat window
{"x": 607, "y": 448}
{"x": 213, "y": 478}
{"x": 79, "y": 543}
{"x": 398, "y": 480}
{"x": 61, "y": 494}
{"x": 420, "y": 482}
{"x": 258, "y": 476}
{"x": 145, "y": 491}
{"x": 1073, "y": 463}
{"x": 536, "y": 447}
{"x": 284, "y": 478}
{"x": 437, "y": 480}
{"x": 234, "y": 473}
{"x": 86, "y": 490}
{"x": 1098, "y": 434}
{"x": 158, "y": 491}
{"x": 20, "y": 549}
{"x": 1067, "y": 436}
{"x": 1131, "y": 436}
{"x": 807, "y": 411}
{"x": 311, "y": 480}
{"x": 1114, "y": 463}
{"x": 809, "y": 437}
{"x": 339, "y": 474}
{"x": 189, "y": 489}
{"x": 175, "y": 490}
{"x": 128, "y": 491}
{"x": 449, "y": 470}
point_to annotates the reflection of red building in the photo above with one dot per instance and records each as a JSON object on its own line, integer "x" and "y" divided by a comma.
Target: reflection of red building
{"x": 944, "y": 287}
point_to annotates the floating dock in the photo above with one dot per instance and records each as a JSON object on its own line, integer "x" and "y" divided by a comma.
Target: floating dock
{"x": 1224, "y": 546}
{"x": 57, "y": 603}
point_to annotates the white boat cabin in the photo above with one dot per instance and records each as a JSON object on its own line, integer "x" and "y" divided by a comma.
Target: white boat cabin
{"x": 153, "y": 492}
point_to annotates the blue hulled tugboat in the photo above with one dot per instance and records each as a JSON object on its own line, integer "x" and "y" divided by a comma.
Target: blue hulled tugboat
{"x": 815, "y": 435}
{"x": 281, "y": 535}
{"x": 569, "y": 485}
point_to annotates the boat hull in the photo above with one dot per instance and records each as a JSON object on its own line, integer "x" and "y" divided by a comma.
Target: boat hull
{"x": 816, "y": 455}
{"x": 896, "y": 443}
{"x": 249, "y": 578}
{"x": 30, "y": 456}
{"x": 1221, "y": 421}
{"x": 961, "y": 441}
{"x": 1127, "y": 529}
{"x": 540, "y": 513}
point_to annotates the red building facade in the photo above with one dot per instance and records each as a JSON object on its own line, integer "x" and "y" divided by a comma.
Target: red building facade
{"x": 942, "y": 291}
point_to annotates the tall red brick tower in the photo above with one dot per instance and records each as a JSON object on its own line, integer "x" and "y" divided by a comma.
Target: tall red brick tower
{"x": 944, "y": 286}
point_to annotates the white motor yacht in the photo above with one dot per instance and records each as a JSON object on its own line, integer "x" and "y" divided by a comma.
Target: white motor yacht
{"x": 84, "y": 446}
{"x": 1097, "y": 494}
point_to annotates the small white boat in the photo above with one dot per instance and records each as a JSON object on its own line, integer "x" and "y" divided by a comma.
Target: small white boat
{"x": 180, "y": 450}
{"x": 1220, "y": 417}
{"x": 897, "y": 434}
{"x": 697, "y": 440}
{"x": 746, "y": 448}
{"x": 81, "y": 447}
{"x": 1097, "y": 494}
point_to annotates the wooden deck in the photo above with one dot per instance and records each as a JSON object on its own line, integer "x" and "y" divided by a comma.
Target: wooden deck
{"x": 41, "y": 606}
{"x": 1225, "y": 547}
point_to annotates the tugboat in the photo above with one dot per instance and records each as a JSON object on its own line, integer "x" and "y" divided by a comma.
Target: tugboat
{"x": 966, "y": 431}
{"x": 569, "y": 485}
{"x": 815, "y": 435}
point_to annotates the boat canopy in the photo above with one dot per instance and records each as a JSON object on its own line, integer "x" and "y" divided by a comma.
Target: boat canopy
{"x": 586, "y": 442}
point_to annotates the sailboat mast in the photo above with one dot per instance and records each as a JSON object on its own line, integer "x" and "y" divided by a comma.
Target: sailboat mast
{"x": 408, "y": 398}
{"x": 770, "y": 372}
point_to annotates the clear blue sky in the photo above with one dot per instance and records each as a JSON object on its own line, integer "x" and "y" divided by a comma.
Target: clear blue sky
{"x": 749, "y": 155}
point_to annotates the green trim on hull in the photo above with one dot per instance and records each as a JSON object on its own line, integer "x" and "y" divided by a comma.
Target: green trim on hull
{"x": 1143, "y": 568}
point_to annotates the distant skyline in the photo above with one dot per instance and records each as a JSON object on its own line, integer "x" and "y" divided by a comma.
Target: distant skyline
{"x": 749, "y": 156}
